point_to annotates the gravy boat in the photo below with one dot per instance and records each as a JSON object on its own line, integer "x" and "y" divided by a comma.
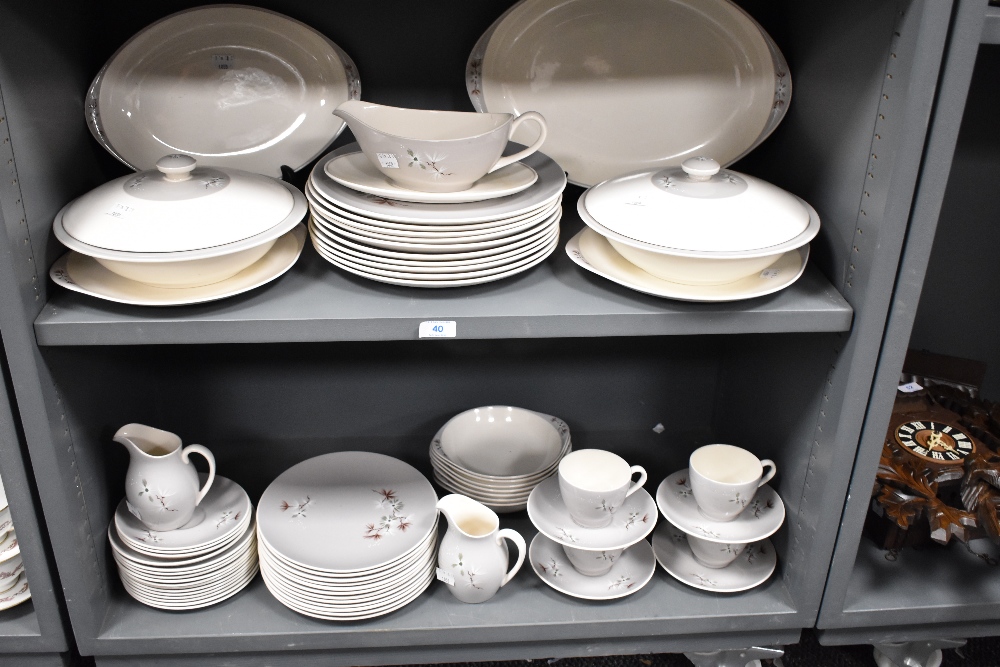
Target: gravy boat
{"x": 435, "y": 151}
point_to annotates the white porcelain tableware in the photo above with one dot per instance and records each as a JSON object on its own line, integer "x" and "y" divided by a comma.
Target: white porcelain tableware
{"x": 224, "y": 510}
{"x": 355, "y": 171}
{"x": 714, "y": 554}
{"x": 10, "y": 570}
{"x": 593, "y": 252}
{"x": 3, "y": 497}
{"x": 628, "y": 574}
{"x": 592, "y": 563}
{"x": 473, "y": 551}
{"x": 632, "y": 522}
{"x": 436, "y": 151}
{"x": 547, "y": 189}
{"x": 502, "y": 440}
{"x": 16, "y": 594}
{"x": 180, "y": 226}
{"x": 595, "y": 483}
{"x": 762, "y": 517}
{"x": 80, "y": 273}
{"x": 605, "y": 75}
{"x": 162, "y": 487}
{"x": 751, "y": 568}
{"x": 235, "y": 86}
{"x": 725, "y": 478}
{"x": 378, "y": 507}
{"x": 6, "y": 523}
{"x": 672, "y": 221}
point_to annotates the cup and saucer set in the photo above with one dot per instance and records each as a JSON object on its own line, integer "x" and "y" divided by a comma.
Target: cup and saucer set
{"x": 592, "y": 521}
{"x": 720, "y": 512}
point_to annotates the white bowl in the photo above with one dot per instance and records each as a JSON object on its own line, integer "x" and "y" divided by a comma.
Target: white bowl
{"x": 187, "y": 273}
{"x": 693, "y": 270}
{"x": 501, "y": 441}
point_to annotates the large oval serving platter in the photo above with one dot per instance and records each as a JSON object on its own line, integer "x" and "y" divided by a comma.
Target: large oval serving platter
{"x": 634, "y": 84}
{"x": 232, "y": 86}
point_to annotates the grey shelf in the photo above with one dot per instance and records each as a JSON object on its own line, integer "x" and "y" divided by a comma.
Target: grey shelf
{"x": 525, "y": 611}
{"x": 316, "y": 302}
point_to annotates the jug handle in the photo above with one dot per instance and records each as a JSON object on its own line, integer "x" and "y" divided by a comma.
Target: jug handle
{"x": 198, "y": 449}
{"x": 516, "y": 538}
{"x": 517, "y": 157}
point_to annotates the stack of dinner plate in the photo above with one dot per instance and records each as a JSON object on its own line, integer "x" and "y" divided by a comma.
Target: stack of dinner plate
{"x": 14, "y": 587}
{"x": 348, "y": 535}
{"x": 498, "y": 454}
{"x": 442, "y": 240}
{"x": 209, "y": 559}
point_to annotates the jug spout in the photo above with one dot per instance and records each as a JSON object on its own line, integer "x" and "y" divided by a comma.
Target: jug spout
{"x": 147, "y": 441}
{"x": 468, "y": 516}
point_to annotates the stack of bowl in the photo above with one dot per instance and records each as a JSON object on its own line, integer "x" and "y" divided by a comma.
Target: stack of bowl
{"x": 177, "y": 228}
{"x": 209, "y": 559}
{"x": 498, "y": 454}
{"x": 426, "y": 200}
{"x": 14, "y": 587}
{"x": 697, "y": 233}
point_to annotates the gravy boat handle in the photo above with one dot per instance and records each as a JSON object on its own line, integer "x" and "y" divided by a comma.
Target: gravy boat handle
{"x": 517, "y": 157}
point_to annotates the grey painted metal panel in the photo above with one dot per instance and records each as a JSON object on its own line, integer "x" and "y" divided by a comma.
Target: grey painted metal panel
{"x": 907, "y": 633}
{"x": 445, "y": 653}
{"x": 37, "y": 660}
{"x": 957, "y": 72}
{"x": 991, "y": 26}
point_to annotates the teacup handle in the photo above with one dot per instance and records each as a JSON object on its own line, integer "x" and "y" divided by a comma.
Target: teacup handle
{"x": 767, "y": 476}
{"x": 516, "y": 538}
{"x": 638, "y": 484}
{"x": 517, "y": 157}
{"x": 198, "y": 449}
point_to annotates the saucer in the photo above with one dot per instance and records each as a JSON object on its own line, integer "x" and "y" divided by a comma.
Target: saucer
{"x": 17, "y": 594}
{"x": 83, "y": 274}
{"x": 593, "y": 252}
{"x": 633, "y": 570}
{"x": 633, "y": 521}
{"x": 762, "y": 517}
{"x": 9, "y": 548}
{"x": 751, "y": 568}
{"x": 6, "y": 523}
{"x": 225, "y": 514}
{"x": 3, "y": 497}
{"x": 356, "y": 172}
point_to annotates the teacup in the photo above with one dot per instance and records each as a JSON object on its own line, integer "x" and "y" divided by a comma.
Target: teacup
{"x": 714, "y": 554}
{"x": 594, "y": 484}
{"x": 725, "y": 478}
{"x": 592, "y": 563}
{"x": 435, "y": 151}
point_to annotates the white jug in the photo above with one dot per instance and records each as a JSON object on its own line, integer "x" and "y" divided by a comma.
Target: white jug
{"x": 161, "y": 486}
{"x": 473, "y": 551}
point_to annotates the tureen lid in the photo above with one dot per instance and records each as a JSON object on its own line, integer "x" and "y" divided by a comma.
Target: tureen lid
{"x": 177, "y": 207}
{"x": 698, "y": 207}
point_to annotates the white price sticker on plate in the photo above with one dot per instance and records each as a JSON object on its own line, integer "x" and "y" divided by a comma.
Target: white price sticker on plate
{"x": 438, "y": 329}
{"x": 387, "y": 160}
{"x": 910, "y": 387}
{"x": 446, "y": 576}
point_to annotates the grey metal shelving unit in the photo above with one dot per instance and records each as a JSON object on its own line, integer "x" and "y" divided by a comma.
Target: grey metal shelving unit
{"x": 34, "y": 633}
{"x": 321, "y": 361}
{"x": 948, "y": 269}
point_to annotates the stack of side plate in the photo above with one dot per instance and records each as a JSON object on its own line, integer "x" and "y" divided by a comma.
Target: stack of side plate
{"x": 209, "y": 559}
{"x": 348, "y": 536}
{"x": 433, "y": 243}
{"x": 14, "y": 587}
{"x": 498, "y": 454}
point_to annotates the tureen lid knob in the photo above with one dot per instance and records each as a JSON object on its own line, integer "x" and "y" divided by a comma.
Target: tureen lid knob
{"x": 700, "y": 168}
{"x": 176, "y": 167}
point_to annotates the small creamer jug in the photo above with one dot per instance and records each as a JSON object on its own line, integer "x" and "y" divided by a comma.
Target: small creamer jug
{"x": 473, "y": 554}
{"x": 161, "y": 486}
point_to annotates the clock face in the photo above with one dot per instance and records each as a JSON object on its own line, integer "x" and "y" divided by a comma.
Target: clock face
{"x": 935, "y": 441}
